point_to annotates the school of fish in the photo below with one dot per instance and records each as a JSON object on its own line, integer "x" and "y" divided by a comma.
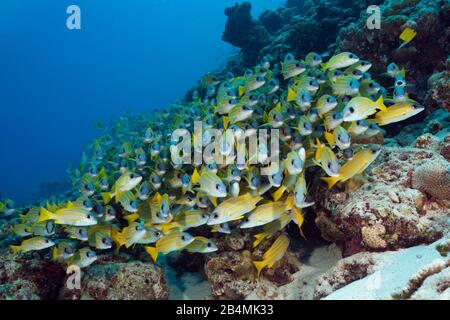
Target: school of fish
{"x": 133, "y": 194}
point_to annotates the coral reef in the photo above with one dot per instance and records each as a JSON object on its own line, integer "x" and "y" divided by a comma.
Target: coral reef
{"x": 384, "y": 211}
{"x": 22, "y": 278}
{"x": 425, "y": 56}
{"x": 107, "y": 280}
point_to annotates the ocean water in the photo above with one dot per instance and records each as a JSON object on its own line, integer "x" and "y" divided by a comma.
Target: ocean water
{"x": 134, "y": 56}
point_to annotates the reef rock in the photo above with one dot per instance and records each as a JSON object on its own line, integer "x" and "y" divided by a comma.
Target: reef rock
{"x": 232, "y": 274}
{"x": 423, "y": 57}
{"x": 383, "y": 210}
{"x": 107, "y": 280}
{"x": 29, "y": 277}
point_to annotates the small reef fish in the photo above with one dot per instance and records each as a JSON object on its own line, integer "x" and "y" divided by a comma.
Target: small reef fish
{"x": 33, "y": 244}
{"x": 131, "y": 192}
{"x": 274, "y": 254}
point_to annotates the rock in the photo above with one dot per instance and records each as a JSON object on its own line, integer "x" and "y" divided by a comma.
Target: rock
{"x": 413, "y": 273}
{"x": 386, "y": 211}
{"x": 133, "y": 280}
{"x": 232, "y": 274}
{"x": 29, "y": 277}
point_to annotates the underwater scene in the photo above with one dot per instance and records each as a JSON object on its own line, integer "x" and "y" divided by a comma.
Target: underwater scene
{"x": 225, "y": 150}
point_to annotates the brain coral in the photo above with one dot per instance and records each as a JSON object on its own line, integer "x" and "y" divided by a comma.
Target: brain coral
{"x": 433, "y": 178}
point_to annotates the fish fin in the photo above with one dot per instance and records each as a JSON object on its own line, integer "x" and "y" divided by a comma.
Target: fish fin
{"x": 70, "y": 204}
{"x": 258, "y": 238}
{"x": 277, "y": 194}
{"x": 407, "y": 35}
{"x": 55, "y": 254}
{"x": 331, "y": 181}
{"x": 380, "y": 104}
{"x": 119, "y": 195}
{"x": 45, "y": 215}
{"x": 168, "y": 226}
{"x": 226, "y": 121}
{"x": 265, "y": 117}
{"x": 241, "y": 91}
{"x": 156, "y": 198}
{"x": 259, "y": 265}
{"x": 403, "y": 72}
{"x": 117, "y": 238}
{"x": 153, "y": 252}
{"x": 329, "y": 138}
{"x": 15, "y": 249}
{"x": 324, "y": 67}
{"x": 195, "y": 177}
{"x": 106, "y": 196}
{"x": 319, "y": 149}
{"x": 131, "y": 217}
{"x": 290, "y": 95}
{"x": 213, "y": 201}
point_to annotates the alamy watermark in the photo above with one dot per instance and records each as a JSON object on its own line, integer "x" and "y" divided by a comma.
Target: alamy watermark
{"x": 73, "y": 21}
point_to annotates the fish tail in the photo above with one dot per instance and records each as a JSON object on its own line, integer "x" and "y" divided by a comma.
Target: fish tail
{"x": 259, "y": 265}
{"x": 291, "y": 95}
{"x": 258, "y": 238}
{"x": 380, "y": 104}
{"x": 277, "y": 194}
{"x": 45, "y": 215}
{"x": 106, "y": 196}
{"x": 153, "y": 252}
{"x": 195, "y": 177}
{"x": 15, "y": 249}
{"x": 213, "y": 201}
{"x": 331, "y": 181}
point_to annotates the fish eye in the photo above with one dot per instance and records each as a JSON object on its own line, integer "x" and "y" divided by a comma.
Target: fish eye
{"x": 47, "y": 241}
{"x": 297, "y": 64}
{"x": 183, "y": 238}
{"x": 351, "y": 109}
{"x": 352, "y": 56}
{"x": 209, "y": 244}
{"x": 329, "y": 165}
{"x": 105, "y": 240}
{"x": 216, "y": 215}
{"x": 89, "y": 216}
{"x": 218, "y": 186}
{"x": 230, "y": 101}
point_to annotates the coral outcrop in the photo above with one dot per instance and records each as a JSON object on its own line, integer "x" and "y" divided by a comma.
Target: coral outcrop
{"x": 383, "y": 210}
{"x": 107, "y": 280}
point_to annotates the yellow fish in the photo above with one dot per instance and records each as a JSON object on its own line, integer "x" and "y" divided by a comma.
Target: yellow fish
{"x": 357, "y": 164}
{"x": 126, "y": 182}
{"x": 275, "y": 253}
{"x": 341, "y": 60}
{"x": 71, "y": 216}
{"x": 233, "y": 208}
{"x": 33, "y": 244}
{"x": 397, "y": 112}
{"x": 407, "y": 36}
{"x": 265, "y": 213}
{"x": 173, "y": 241}
{"x": 271, "y": 228}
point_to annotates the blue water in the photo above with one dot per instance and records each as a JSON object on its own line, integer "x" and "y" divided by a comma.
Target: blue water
{"x": 129, "y": 56}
